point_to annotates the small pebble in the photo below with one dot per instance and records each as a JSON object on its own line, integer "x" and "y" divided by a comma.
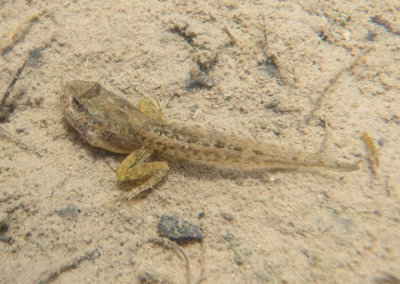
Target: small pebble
{"x": 201, "y": 215}
{"x": 87, "y": 240}
{"x": 175, "y": 228}
{"x": 200, "y": 79}
{"x": 227, "y": 216}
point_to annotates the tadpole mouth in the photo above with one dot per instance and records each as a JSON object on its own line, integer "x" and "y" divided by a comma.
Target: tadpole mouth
{"x": 76, "y": 120}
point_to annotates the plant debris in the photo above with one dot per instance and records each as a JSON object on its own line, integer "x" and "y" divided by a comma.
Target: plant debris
{"x": 380, "y": 20}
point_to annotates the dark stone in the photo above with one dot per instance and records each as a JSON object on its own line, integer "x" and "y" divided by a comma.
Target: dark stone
{"x": 201, "y": 215}
{"x": 175, "y": 228}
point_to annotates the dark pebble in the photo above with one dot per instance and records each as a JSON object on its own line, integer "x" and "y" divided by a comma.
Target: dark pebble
{"x": 175, "y": 228}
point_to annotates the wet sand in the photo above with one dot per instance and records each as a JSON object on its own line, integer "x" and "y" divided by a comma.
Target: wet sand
{"x": 290, "y": 74}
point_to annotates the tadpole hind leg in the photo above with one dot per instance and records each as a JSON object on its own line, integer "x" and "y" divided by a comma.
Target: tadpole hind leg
{"x": 136, "y": 167}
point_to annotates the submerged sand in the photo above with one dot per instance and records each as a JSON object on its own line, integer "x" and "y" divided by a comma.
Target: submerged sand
{"x": 310, "y": 75}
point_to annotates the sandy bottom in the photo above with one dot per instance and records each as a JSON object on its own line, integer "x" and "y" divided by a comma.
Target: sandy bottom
{"x": 311, "y": 75}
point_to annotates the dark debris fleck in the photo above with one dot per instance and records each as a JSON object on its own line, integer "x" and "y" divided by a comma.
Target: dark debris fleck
{"x": 69, "y": 212}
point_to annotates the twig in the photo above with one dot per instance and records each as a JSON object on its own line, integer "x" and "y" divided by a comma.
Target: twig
{"x": 11, "y": 85}
{"x": 379, "y": 20}
{"x": 265, "y": 37}
{"x": 5, "y": 134}
{"x": 173, "y": 246}
{"x": 53, "y": 275}
{"x": 371, "y": 147}
{"x": 328, "y": 89}
{"x": 19, "y": 32}
{"x": 372, "y": 151}
{"x": 233, "y": 40}
{"x": 387, "y": 186}
{"x": 270, "y": 59}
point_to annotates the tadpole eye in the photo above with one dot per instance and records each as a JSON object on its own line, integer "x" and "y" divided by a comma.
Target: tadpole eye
{"x": 76, "y": 104}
